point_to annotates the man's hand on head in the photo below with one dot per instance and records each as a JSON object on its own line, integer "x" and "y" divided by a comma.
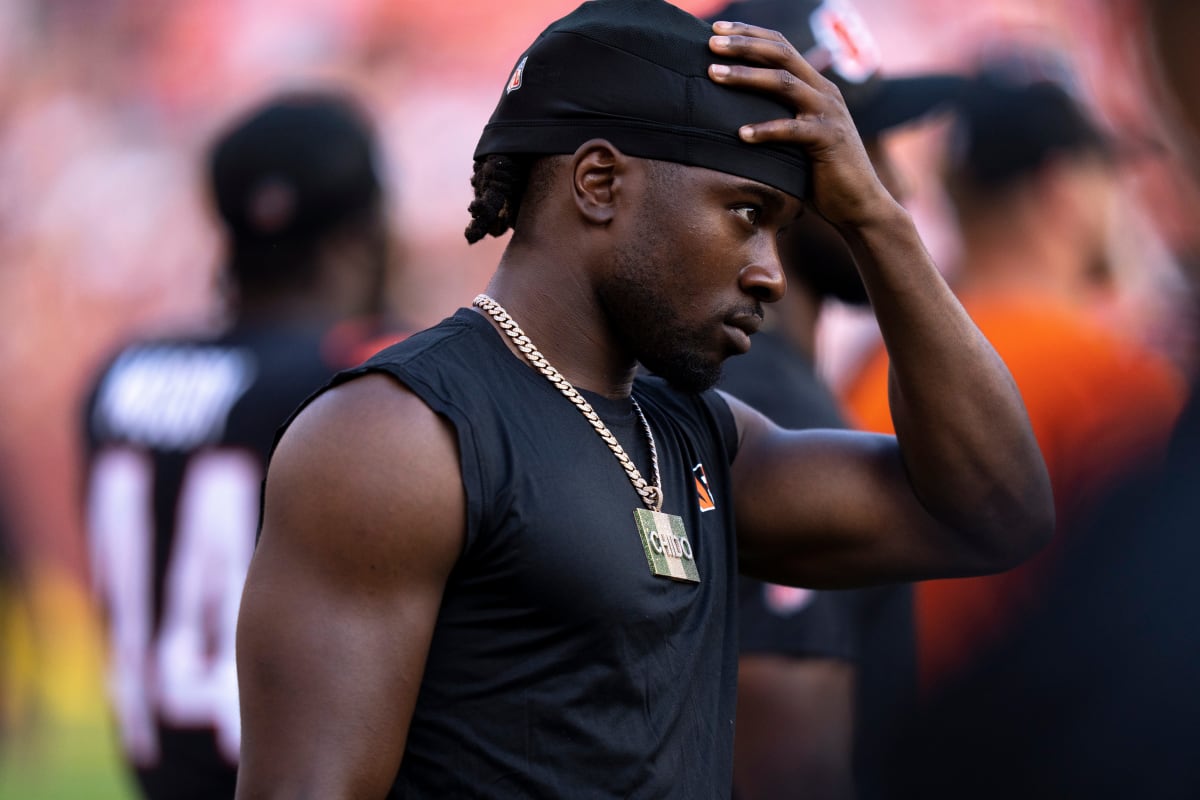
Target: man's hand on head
{"x": 846, "y": 190}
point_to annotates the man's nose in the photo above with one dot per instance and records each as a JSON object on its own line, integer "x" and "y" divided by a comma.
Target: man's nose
{"x": 763, "y": 278}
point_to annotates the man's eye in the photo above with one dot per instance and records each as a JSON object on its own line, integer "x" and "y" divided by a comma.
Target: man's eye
{"x": 749, "y": 213}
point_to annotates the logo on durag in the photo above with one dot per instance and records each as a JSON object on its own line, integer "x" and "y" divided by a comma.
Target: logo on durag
{"x": 841, "y": 32}
{"x": 514, "y": 82}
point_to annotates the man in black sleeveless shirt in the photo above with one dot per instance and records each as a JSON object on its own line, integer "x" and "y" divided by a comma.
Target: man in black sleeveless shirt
{"x": 494, "y": 562}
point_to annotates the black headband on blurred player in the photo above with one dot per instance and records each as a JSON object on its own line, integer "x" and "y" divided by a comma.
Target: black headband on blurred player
{"x": 288, "y": 174}
{"x": 294, "y": 166}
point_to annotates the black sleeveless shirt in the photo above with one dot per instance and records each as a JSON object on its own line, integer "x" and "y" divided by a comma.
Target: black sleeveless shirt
{"x": 561, "y": 667}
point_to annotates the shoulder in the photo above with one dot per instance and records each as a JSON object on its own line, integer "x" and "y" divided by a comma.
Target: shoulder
{"x": 1054, "y": 347}
{"x": 355, "y": 422}
{"x": 1032, "y": 330}
{"x": 365, "y": 457}
{"x": 461, "y": 330}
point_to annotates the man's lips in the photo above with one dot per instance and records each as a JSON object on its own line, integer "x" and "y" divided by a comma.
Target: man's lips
{"x": 748, "y": 321}
{"x": 741, "y": 327}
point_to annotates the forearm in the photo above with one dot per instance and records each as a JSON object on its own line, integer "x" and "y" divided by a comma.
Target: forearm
{"x": 967, "y": 445}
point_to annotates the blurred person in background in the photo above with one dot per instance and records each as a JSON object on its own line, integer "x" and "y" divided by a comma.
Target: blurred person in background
{"x": 820, "y": 672}
{"x": 1033, "y": 180}
{"x": 1094, "y": 694}
{"x": 178, "y": 429}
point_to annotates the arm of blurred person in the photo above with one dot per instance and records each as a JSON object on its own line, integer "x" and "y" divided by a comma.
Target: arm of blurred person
{"x": 364, "y": 517}
{"x": 962, "y": 489}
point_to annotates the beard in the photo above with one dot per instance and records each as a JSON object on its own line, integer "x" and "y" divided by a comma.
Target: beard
{"x": 641, "y": 312}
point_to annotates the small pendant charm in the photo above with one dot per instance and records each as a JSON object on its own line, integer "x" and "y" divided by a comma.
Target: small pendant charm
{"x": 668, "y": 550}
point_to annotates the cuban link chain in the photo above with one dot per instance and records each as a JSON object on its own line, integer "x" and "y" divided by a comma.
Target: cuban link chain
{"x": 651, "y": 493}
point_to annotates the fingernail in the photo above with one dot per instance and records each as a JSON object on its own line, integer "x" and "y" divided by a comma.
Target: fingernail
{"x": 746, "y": 131}
{"x": 722, "y": 25}
{"x": 720, "y": 70}
{"x": 720, "y": 41}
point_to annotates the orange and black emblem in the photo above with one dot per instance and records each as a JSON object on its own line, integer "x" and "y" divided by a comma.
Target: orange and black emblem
{"x": 703, "y": 492}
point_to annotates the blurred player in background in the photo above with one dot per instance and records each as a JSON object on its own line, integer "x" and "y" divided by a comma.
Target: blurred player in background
{"x": 1033, "y": 181}
{"x": 178, "y": 429}
{"x": 1094, "y": 695}
{"x": 820, "y": 671}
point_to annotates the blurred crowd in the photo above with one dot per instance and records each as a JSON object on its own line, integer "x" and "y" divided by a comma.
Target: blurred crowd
{"x": 106, "y": 107}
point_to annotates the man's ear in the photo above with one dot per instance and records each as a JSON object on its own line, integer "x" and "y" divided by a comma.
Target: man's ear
{"x": 597, "y": 171}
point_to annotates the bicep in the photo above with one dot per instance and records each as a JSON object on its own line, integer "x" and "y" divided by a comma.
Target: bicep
{"x": 831, "y": 508}
{"x": 363, "y": 520}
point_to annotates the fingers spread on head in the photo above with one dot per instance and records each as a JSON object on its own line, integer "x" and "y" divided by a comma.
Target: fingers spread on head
{"x": 733, "y": 28}
{"x": 760, "y": 46}
{"x": 781, "y": 83}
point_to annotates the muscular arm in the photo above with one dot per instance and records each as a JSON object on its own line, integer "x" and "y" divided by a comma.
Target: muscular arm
{"x": 962, "y": 489}
{"x": 363, "y": 520}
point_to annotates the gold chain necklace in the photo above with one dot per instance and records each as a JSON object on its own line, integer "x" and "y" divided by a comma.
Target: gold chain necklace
{"x": 665, "y": 543}
{"x": 651, "y": 493}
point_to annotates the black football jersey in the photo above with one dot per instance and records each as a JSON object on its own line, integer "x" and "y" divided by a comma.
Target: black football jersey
{"x": 178, "y": 433}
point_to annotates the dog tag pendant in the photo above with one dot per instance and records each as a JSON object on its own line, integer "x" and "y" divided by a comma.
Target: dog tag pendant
{"x": 668, "y": 550}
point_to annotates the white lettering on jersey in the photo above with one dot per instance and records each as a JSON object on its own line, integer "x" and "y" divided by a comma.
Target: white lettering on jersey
{"x": 196, "y": 668}
{"x": 121, "y": 533}
{"x": 172, "y": 398}
{"x": 186, "y": 674}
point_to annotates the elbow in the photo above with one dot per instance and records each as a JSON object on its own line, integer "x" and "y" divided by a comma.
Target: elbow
{"x": 1002, "y": 526}
{"x": 1038, "y": 513}
{"x": 1019, "y": 532}
{"x": 1021, "y": 518}
{"x": 1047, "y": 522}
{"x": 1034, "y": 535}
